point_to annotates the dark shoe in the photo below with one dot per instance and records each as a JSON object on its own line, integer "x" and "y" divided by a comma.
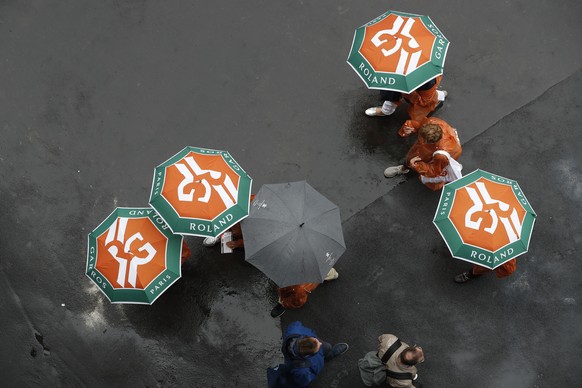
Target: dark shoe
{"x": 278, "y": 310}
{"x": 463, "y": 277}
{"x": 337, "y": 350}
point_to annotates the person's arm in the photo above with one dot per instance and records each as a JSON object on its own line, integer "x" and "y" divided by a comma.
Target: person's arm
{"x": 409, "y": 127}
{"x": 431, "y": 169}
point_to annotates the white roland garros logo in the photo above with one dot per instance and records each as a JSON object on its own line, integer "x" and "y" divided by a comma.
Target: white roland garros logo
{"x": 403, "y": 42}
{"x": 498, "y": 211}
{"x": 120, "y": 248}
{"x": 211, "y": 181}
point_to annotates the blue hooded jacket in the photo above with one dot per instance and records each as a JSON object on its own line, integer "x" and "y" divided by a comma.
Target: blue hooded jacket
{"x": 305, "y": 375}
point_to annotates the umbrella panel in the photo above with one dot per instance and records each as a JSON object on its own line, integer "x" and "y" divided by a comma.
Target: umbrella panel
{"x": 293, "y": 233}
{"x": 211, "y": 191}
{"x": 390, "y": 57}
{"x": 122, "y": 240}
{"x": 300, "y": 256}
{"x": 124, "y": 224}
{"x": 215, "y": 190}
{"x": 488, "y": 215}
{"x": 417, "y": 50}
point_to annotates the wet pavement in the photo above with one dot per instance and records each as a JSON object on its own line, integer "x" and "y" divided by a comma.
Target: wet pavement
{"x": 398, "y": 274}
{"x": 95, "y": 95}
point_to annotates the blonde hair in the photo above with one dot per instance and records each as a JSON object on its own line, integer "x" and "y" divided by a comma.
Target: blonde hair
{"x": 431, "y": 133}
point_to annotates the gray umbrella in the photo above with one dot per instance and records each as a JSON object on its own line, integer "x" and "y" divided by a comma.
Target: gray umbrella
{"x": 293, "y": 234}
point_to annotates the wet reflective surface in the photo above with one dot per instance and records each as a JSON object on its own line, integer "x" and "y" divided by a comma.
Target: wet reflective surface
{"x": 95, "y": 95}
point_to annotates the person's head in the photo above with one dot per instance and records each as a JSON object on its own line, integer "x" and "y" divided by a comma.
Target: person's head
{"x": 412, "y": 355}
{"x": 307, "y": 346}
{"x": 431, "y": 133}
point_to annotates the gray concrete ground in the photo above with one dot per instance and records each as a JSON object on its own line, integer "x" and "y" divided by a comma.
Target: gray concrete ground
{"x": 95, "y": 94}
{"x": 398, "y": 274}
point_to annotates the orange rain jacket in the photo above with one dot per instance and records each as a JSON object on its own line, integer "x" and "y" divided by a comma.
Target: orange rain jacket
{"x": 432, "y": 166}
{"x": 504, "y": 270}
{"x": 293, "y": 297}
{"x": 422, "y": 102}
{"x": 185, "y": 252}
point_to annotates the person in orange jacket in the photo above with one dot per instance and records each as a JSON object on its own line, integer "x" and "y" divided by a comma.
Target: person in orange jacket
{"x": 433, "y": 134}
{"x": 185, "y": 253}
{"x": 421, "y": 101}
{"x": 502, "y": 271}
{"x": 293, "y": 297}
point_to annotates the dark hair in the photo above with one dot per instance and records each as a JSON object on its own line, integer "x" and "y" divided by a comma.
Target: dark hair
{"x": 307, "y": 346}
{"x": 413, "y": 360}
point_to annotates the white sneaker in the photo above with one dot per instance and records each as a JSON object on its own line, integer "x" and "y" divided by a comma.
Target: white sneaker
{"x": 391, "y": 172}
{"x": 210, "y": 241}
{"x": 442, "y": 94}
{"x": 375, "y": 111}
{"x": 385, "y": 110}
{"x": 331, "y": 275}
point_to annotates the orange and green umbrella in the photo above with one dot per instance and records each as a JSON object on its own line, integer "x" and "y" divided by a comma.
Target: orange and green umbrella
{"x": 485, "y": 219}
{"x": 133, "y": 256}
{"x": 201, "y": 192}
{"x": 398, "y": 51}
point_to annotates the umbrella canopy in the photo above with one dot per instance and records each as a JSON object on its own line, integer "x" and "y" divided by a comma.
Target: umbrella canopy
{"x": 398, "y": 51}
{"x": 133, "y": 257}
{"x": 201, "y": 192}
{"x": 485, "y": 219}
{"x": 293, "y": 233}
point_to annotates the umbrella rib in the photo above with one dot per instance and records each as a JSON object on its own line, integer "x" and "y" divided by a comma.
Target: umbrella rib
{"x": 280, "y": 265}
{"x": 321, "y": 214}
{"x": 312, "y": 253}
{"x": 323, "y": 234}
{"x": 271, "y": 243}
{"x": 282, "y": 201}
{"x": 304, "y": 207}
{"x": 310, "y": 250}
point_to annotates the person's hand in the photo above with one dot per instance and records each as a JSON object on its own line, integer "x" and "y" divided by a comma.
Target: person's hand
{"x": 407, "y": 130}
{"x": 235, "y": 244}
{"x": 415, "y": 160}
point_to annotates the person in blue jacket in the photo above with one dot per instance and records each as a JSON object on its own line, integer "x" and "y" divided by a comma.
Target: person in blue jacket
{"x": 305, "y": 354}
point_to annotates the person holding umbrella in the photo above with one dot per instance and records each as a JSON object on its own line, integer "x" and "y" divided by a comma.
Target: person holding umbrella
{"x": 486, "y": 220}
{"x": 421, "y": 102}
{"x": 293, "y": 234}
{"x": 402, "y": 55}
{"x": 437, "y": 143}
{"x": 200, "y": 192}
{"x": 237, "y": 237}
{"x": 294, "y": 297}
{"x": 133, "y": 257}
{"x": 502, "y": 271}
